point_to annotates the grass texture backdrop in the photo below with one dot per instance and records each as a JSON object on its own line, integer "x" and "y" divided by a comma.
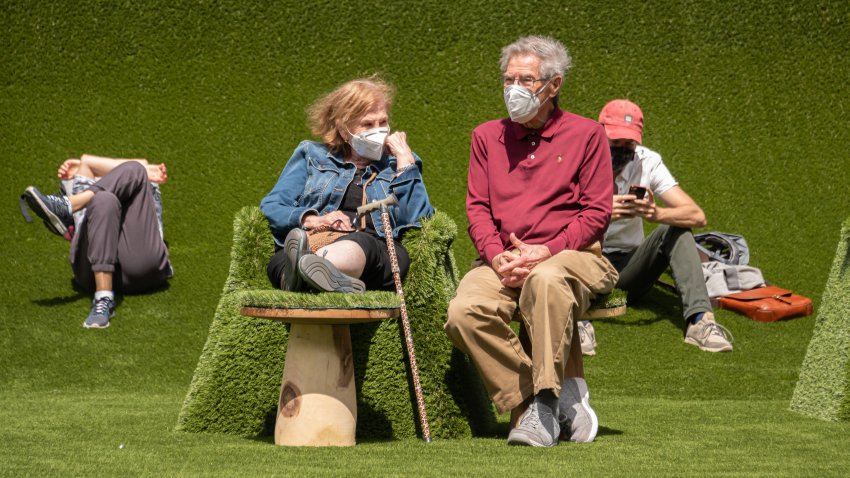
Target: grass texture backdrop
{"x": 824, "y": 387}
{"x": 746, "y": 101}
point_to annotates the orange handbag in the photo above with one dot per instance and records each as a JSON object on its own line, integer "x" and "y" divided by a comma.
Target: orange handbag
{"x": 767, "y": 304}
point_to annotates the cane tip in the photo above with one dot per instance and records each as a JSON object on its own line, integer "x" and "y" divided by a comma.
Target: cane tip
{"x": 427, "y": 439}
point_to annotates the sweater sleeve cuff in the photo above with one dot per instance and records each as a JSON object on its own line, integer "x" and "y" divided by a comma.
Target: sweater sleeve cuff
{"x": 301, "y": 212}
{"x": 490, "y": 252}
{"x": 556, "y": 245}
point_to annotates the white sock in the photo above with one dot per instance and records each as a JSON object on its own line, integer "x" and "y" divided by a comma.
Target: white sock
{"x": 104, "y": 293}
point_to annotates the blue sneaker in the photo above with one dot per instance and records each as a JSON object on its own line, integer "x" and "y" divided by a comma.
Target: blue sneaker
{"x": 54, "y": 210}
{"x": 102, "y": 310}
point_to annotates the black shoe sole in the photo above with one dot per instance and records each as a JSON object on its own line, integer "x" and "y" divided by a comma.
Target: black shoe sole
{"x": 321, "y": 275}
{"x": 295, "y": 246}
{"x": 53, "y": 223}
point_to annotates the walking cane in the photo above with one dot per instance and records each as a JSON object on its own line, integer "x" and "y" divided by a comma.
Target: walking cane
{"x": 408, "y": 336}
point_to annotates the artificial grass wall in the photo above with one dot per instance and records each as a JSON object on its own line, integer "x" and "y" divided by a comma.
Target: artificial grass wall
{"x": 742, "y": 100}
{"x": 746, "y": 101}
{"x": 237, "y": 381}
{"x": 823, "y": 390}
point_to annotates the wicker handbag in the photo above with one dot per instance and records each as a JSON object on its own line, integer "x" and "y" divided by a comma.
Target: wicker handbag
{"x": 320, "y": 237}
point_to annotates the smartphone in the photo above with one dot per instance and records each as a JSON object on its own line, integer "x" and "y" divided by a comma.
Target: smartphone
{"x": 638, "y": 191}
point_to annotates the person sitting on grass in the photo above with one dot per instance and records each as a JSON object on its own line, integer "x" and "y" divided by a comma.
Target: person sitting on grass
{"x": 113, "y": 218}
{"x": 322, "y": 185}
{"x": 640, "y": 261}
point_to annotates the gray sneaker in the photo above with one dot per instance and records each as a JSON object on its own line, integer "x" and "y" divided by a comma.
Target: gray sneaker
{"x": 102, "y": 310}
{"x": 588, "y": 338}
{"x": 538, "y": 425}
{"x": 708, "y": 335}
{"x": 578, "y": 421}
{"x": 296, "y": 246}
{"x": 320, "y": 274}
{"x": 54, "y": 210}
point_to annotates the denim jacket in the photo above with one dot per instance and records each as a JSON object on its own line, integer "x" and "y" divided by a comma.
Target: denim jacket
{"x": 314, "y": 181}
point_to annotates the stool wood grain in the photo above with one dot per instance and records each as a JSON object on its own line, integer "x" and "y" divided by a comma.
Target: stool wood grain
{"x": 318, "y": 398}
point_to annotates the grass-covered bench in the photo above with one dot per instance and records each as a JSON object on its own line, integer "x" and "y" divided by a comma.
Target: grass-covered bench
{"x": 611, "y": 305}
{"x": 236, "y": 385}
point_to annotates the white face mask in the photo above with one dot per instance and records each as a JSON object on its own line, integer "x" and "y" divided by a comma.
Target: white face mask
{"x": 522, "y": 103}
{"x": 370, "y": 143}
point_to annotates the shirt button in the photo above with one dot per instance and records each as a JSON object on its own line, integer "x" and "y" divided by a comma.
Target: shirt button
{"x": 532, "y": 156}
{"x": 534, "y": 143}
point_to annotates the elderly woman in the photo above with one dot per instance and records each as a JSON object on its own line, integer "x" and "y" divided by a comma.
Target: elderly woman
{"x": 313, "y": 205}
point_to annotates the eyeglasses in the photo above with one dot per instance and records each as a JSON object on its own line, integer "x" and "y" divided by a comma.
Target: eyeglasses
{"x": 525, "y": 81}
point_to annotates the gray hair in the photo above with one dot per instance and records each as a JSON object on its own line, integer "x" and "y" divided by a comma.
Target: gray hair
{"x": 554, "y": 58}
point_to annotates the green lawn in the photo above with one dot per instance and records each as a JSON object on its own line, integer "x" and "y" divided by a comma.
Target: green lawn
{"x": 127, "y": 434}
{"x": 747, "y": 102}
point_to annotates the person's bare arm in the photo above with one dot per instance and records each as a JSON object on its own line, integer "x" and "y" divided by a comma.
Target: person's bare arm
{"x": 99, "y": 166}
{"x": 679, "y": 209}
{"x": 68, "y": 169}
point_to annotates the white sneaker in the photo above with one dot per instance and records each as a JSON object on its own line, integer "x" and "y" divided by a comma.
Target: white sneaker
{"x": 578, "y": 421}
{"x": 538, "y": 425}
{"x": 708, "y": 335}
{"x": 588, "y": 338}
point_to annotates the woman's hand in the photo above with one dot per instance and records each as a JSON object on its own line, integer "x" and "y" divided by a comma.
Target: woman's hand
{"x": 157, "y": 173}
{"x": 337, "y": 220}
{"x": 397, "y": 144}
{"x": 68, "y": 169}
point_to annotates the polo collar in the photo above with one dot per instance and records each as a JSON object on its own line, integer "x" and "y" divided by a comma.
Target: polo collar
{"x": 549, "y": 128}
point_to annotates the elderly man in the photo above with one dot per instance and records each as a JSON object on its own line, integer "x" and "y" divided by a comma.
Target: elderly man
{"x": 640, "y": 261}
{"x": 538, "y": 202}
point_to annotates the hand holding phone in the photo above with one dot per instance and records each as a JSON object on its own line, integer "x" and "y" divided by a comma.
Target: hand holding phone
{"x": 638, "y": 191}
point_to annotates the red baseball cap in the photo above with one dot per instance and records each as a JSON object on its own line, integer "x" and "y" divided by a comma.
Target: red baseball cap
{"x": 622, "y": 120}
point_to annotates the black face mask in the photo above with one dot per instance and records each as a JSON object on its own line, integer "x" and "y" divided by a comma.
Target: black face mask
{"x": 620, "y": 157}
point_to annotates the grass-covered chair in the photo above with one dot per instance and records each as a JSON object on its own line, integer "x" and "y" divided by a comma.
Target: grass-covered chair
{"x": 236, "y": 385}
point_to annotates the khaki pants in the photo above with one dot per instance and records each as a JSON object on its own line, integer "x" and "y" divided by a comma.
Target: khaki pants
{"x": 555, "y": 295}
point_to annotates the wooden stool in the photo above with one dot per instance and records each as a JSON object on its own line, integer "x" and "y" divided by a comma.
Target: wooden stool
{"x": 318, "y": 399}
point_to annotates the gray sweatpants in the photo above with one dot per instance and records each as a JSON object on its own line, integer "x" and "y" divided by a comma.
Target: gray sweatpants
{"x": 666, "y": 245}
{"x": 120, "y": 234}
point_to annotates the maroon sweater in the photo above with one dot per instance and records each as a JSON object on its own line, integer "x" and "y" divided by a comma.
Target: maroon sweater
{"x": 550, "y": 186}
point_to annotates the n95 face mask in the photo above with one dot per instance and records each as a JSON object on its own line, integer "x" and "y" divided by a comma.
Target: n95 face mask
{"x": 522, "y": 103}
{"x": 370, "y": 143}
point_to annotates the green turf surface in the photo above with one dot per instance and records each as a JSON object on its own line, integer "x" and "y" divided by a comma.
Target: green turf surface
{"x": 823, "y": 390}
{"x": 735, "y": 437}
{"x": 746, "y": 101}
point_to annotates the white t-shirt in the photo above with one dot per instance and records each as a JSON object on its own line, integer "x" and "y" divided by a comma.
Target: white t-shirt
{"x": 645, "y": 170}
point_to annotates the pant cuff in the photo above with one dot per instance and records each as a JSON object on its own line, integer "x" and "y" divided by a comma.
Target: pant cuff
{"x": 506, "y": 402}
{"x": 103, "y": 267}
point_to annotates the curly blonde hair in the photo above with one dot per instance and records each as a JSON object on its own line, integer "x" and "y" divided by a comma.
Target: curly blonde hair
{"x": 342, "y": 106}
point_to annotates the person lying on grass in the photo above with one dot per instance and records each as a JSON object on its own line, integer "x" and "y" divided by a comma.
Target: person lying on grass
{"x": 639, "y": 171}
{"x": 312, "y": 208}
{"x": 113, "y": 219}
